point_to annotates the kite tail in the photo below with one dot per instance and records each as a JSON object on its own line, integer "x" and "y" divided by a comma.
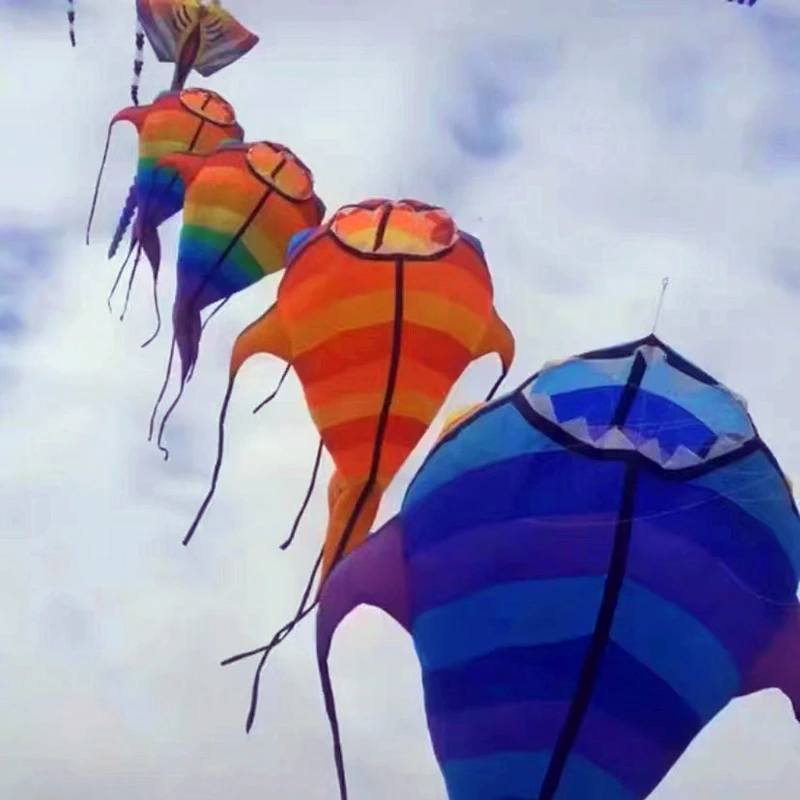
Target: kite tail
{"x": 309, "y": 492}
{"x": 138, "y": 63}
{"x": 99, "y": 178}
{"x": 119, "y": 276}
{"x": 333, "y": 722}
{"x": 162, "y": 392}
{"x": 269, "y": 398}
{"x": 374, "y": 575}
{"x": 223, "y": 413}
{"x": 124, "y": 220}
{"x": 302, "y": 612}
{"x": 152, "y": 249}
{"x": 71, "y": 20}
{"x": 130, "y": 283}
{"x": 166, "y": 417}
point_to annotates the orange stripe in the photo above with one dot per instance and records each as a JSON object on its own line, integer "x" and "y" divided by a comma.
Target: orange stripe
{"x": 304, "y": 290}
{"x": 372, "y": 376}
{"x": 426, "y": 309}
{"x": 349, "y": 349}
{"x": 435, "y": 350}
{"x": 450, "y": 279}
{"x": 351, "y": 444}
{"x": 352, "y": 406}
{"x": 231, "y": 188}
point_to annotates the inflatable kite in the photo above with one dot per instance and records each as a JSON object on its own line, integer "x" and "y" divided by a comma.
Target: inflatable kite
{"x": 242, "y": 205}
{"x": 591, "y": 568}
{"x": 379, "y": 312}
{"x": 191, "y": 121}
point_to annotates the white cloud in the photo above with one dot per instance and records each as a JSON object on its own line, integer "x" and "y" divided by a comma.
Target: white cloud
{"x": 113, "y": 632}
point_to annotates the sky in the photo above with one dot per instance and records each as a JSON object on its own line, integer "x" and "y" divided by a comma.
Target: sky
{"x": 594, "y": 147}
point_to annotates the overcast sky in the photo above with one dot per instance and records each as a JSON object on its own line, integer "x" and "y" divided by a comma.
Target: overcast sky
{"x": 594, "y": 146}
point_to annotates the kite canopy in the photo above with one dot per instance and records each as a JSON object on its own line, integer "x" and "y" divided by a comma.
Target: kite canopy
{"x": 591, "y": 568}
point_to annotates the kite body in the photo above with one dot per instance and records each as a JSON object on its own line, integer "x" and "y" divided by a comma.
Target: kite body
{"x": 242, "y": 205}
{"x": 193, "y": 34}
{"x": 194, "y": 121}
{"x": 379, "y": 312}
{"x": 591, "y": 568}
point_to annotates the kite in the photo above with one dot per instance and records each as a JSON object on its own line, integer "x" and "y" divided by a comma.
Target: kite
{"x": 742, "y": 2}
{"x": 591, "y": 568}
{"x": 189, "y": 121}
{"x": 379, "y": 312}
{"x": 191, "y": 34}
{"x": 242, "y": 205}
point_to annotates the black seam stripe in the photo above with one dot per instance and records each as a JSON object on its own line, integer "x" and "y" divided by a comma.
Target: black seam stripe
{"x": 383, "y": 418}
{"x": 617, "y": 567}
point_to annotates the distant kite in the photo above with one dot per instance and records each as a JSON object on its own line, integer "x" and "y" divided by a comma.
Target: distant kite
{"x": 191, "y": 34}
{"x": 591, "y": 568}
{"x": 743, "y": 2}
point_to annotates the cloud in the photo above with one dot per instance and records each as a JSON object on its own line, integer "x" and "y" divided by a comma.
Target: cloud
{"x": 593, "y": 148}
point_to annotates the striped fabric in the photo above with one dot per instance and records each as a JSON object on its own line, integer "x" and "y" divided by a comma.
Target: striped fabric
{"x": 379, "y": 313}
{"x": 194, "y": 34}
{"x": 243, "y": 204}
{"x": 191, "y": 121}
{"x": 591, "y": 568}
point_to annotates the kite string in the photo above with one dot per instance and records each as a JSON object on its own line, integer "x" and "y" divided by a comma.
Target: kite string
{"x": 158, "y": 314}
{"x": 163, "y": 390}
{"x": 307, "y": 498}
{"x": 664, "y": 285}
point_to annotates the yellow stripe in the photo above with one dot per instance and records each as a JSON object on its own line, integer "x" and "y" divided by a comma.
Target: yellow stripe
{"x": 161, "y": 147}
{"x": 363, "y": 311}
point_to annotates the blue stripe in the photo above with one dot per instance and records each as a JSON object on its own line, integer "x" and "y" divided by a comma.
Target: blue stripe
{"x": 557, "y": 483}
{"x": 516, "y": 614}
{"x": 754, "y": 486}
{"x": 711, "y": 405}
{"x": 596, "y": 406}
{"x": 579, "y": 374}
{"x": 702, "y": 512}
{"x": 496, "y": 435}
{"x": 626, "y": 689}
{"x": 518, "y": 776}
{"x": 677, "y": 648}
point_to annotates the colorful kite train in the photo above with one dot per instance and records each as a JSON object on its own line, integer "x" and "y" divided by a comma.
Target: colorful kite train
{"x": 590, "y": 567}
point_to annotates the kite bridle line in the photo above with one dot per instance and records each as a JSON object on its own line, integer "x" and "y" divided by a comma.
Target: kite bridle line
{"x": 664, "y": 285}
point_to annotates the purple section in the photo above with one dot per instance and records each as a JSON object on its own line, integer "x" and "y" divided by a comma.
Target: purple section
{"x": 374, "y": 575}
{"x": 779, "y": 666}
{"x": 151, "y": 244}
{"x": 688, "y": 576}
{"x": 616, "y": 747}
{"x": 187, "y": 328}
{"x": 522, "y": 549}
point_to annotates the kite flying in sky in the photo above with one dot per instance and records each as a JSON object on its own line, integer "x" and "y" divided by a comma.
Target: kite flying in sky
{"x": 195, "y": 35}
{"x": 379, "y": 312}
{"x": 190, "y": 121}
{"x": 243, "y": 203}
{"x": 591, "y": 568}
